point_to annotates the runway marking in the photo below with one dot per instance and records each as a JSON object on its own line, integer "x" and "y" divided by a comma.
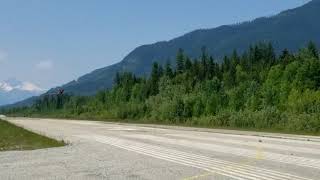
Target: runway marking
{"x": 225, "y": 168}
{"x": 199, "y": 176}
{"x": 287, "y": 159}
{"x": 117, "y": 128}
{"x": 93, "y": 123}
{"x": 251, "y": 143}
{"x": 248, "y": 162}
{"x": 297, "y": 140}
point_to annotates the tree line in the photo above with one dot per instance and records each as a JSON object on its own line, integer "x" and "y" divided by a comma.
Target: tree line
{"x": 256, "y": 89}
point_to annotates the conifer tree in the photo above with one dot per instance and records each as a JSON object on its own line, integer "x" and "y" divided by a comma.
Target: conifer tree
{"x": 313, "y": 49}
{"x": 168, "y": 70}
{"x": 271, "y": 56}
{"x": 204, "y": 68}
{"x": 180, "y": 61}
{"x": 188, "y": 64}
{"x": 154, "y": 79}
{"x": 211, "y": 68}
{"x": 117, "y": 79}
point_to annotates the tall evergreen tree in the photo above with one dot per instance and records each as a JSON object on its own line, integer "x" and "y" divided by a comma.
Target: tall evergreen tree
{"x": 160, "y": 71}
{"x": 257, "y": 54}
{"x": 180, "y": 61}
{"x": 271, "y": 55}
{"x": 168, "y": 70}
{"x": 313, "y": 49}
{"x": 204, "y": 59}
{"x": 188, "y": 64}
{"x": 154, "y": 79}
{"x": 244, "y": 61}
{"x": 196, "y": 68}
{"x": 235, "y": 58}
{"x": 226, "y": 64}
{"x": 285, "y": 57}
{"x": 211, "y": 68}
{"x": 117, "y": 79}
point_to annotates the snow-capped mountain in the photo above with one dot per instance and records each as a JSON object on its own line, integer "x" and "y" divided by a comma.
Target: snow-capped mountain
{"x": 12, "y": 91}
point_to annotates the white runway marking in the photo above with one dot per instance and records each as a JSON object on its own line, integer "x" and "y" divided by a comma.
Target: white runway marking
{"x": 117, "y": 129}
{"x": 280, "y": 139}
{"x": 82, "y": 122}
{"x": 251, "y": 143}
{"x": 229, "y": 169}
{"x": 288, "y": 159}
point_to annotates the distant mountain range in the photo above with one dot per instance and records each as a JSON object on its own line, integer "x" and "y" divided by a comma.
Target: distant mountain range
{"x": 290, "y": 29}
{"x": 13, "y": 90}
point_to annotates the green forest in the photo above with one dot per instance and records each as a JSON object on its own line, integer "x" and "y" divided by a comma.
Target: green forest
{"x": 256, "y": 90}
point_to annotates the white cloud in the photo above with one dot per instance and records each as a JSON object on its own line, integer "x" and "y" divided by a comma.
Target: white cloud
{"x": 5, "y": 87}
{"x": 10, "y": 85}
{"x": 44, "y": 65}
{"x": 28, "y": 86}
{"x": 3, "y": 56}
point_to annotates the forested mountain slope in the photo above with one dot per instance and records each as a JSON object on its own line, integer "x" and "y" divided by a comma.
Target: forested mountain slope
{"x": 290, "y": 29}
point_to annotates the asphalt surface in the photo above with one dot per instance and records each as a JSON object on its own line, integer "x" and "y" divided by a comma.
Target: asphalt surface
{"x": 99, "y": 150}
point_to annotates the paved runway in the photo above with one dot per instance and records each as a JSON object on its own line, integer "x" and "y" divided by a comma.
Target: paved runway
{"x": 99, "y": 150}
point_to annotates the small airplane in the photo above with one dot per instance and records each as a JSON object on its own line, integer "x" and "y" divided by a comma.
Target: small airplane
{"x": 60, "y": 91}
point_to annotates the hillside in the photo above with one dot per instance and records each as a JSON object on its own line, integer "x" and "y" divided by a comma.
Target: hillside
{"x": 290, "y": 29}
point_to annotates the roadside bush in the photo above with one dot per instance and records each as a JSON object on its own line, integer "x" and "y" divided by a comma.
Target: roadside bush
{"x": 303, "y": 123}
{"x": 304, "y": 102}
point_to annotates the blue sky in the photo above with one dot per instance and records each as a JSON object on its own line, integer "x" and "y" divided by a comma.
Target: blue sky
{"x": 50, "y": 42}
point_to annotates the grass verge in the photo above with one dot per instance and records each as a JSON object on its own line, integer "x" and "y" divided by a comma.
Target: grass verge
{"x": 16, "y": 138}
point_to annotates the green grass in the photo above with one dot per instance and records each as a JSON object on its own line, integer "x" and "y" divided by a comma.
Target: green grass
{"x": 17, "y": 138}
